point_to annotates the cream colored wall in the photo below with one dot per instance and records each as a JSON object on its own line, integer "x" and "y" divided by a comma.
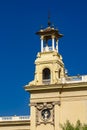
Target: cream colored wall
{"x": 73, "y": 111}
{"x": 73, "y": 107}
{"x": 15, "y": 128}
{"x": 45, "y": 127}
{"x": 45, "y": 97}
{"x": 33, "y": 118}
{"x": 51, "y": 60}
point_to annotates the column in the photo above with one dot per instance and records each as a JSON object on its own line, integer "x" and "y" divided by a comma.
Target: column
{"x": 57, "y": 115}
{"x": 57, "y": 45}
{"x": 33, "y": 117}
{"x": 42, "y": 39}
{"x": 53, "y": 43}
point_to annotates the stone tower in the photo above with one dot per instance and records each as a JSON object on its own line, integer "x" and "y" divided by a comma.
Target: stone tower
{"x": 49, "y": 71}
{"x": 54, "y": 96}
{"x": 49, "y": 64}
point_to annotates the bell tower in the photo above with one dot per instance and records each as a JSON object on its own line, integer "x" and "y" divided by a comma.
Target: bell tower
{"x": 49, "y": 72}
{"x": 49, "y": 64}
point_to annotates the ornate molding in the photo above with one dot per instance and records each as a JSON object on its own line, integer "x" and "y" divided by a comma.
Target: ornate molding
{"x": 45, "y": 113}
{"x": 45, "y": 104}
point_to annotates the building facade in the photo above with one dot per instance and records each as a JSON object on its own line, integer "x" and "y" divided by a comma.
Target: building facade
{"x": 55, "y": 97}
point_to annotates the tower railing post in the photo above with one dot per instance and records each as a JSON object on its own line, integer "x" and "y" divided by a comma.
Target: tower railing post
{"x": 53, "y": 43}
{"x": 42, "y": 40}
{"x": 57, "y": 45}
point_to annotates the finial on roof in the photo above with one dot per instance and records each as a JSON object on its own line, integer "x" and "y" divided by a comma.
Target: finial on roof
{"x": 49, "y": 23}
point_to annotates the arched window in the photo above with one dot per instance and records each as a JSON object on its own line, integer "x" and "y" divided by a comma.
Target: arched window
{"x": 46, "y": 76}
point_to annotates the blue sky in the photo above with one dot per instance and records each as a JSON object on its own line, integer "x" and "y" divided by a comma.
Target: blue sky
{"x": 19, "y": 20}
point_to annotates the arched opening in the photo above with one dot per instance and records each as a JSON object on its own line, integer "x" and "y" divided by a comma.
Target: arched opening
{"x": 46, "y": 76}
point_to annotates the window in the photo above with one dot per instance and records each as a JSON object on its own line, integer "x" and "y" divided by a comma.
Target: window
{"x": 46, "y": 76}
{"x": 46, "y": 73}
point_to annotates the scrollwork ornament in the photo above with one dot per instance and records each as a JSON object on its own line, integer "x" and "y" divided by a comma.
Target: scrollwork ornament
{"x": 40, "y": 106}
{"x": 50, "y": 106}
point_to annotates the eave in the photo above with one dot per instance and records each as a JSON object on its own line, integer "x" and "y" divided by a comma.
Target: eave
{"x": 57, "y": 87}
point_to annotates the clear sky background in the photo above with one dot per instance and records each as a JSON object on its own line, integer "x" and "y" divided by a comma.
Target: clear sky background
{"x": 19, "y": 20}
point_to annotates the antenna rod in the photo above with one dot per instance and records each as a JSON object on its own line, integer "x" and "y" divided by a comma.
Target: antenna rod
{"x": 49, "y": 23}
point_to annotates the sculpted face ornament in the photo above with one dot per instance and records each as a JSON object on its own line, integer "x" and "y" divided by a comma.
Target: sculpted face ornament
{"x": 45, "y": 114}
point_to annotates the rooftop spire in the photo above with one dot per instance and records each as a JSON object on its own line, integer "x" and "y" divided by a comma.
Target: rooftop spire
{"x": 49, "y": 23}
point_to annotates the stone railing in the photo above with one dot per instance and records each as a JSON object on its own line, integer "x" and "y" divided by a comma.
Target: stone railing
{"x": 48, "y": 48}
{"x": 14, "y": 118}
{"x": 74, "y": 79}
{"x": 46, "y": 81}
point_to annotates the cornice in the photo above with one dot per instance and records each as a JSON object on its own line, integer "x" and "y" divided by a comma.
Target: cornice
{"x": 57, "y": 87}
{"x": 14, "y": 123}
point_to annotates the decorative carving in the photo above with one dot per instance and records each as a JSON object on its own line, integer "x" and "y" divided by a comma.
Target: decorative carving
{"x": 50, "y": 106}
{"x": 44, "y": 113}
{"x": 40, "y": 106}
